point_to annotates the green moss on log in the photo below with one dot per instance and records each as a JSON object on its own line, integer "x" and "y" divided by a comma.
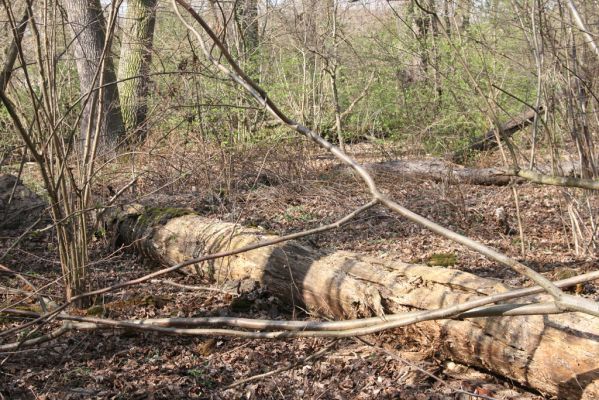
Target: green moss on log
{"x": 442, "y": 260}
{"x": 160, "y": 215}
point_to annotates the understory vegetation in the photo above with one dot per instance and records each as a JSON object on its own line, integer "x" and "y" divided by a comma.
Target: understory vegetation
{"x": 371, "y": 186}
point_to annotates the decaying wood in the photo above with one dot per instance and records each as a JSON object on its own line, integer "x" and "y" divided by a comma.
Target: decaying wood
{"x": 555, "y": 354}
{"x": 440, "y": 171}
{"x": 488, "y": 141}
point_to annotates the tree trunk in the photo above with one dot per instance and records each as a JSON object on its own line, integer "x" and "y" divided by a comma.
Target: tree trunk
{"x": 88, "y": 26}
{"x": 12, "y": 52}
{"x": 247, "y": 13}
{"x": 248, "y": 40}
{"x": 136, "y": 55}
{"x": 554, "y": 354}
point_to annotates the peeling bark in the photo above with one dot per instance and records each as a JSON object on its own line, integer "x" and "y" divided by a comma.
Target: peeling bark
{"x": 554, "y": 354}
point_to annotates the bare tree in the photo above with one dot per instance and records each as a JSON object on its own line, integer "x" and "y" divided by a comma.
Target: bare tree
{"x": 247, "y": 19}
{"x": 67, "y": 168}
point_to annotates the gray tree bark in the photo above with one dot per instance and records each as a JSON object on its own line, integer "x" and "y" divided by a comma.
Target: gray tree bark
{"x": 247, "y": 14}
{"x": 12, "y": 52}
{"x": 88, "y": 27}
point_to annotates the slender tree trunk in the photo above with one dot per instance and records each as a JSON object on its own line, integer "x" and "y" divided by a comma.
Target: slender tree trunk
{"x": 11, "y": 54}
{"x": 134, "y": 66}
{"x": 248, "y": 41}
{"x": 337, "y": 105}
{"x": 333, "y": 72}
{"x": 466, "y": 8}
{"x": 247, "y": 13}
{"x": 88, "y": 26}
{"x": 446, "y": 14}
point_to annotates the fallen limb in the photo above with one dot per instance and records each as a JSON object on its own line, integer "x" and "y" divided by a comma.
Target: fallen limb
{"x": 437, "y": 170}
{"x": 193, "y": 287}
{"x": 134, "y": 210}
{"x": 441, "y": 171}
{"x": 566, "y": 181}
{"x": 488, "y": 141}
{"x": 341, "y": 284}
{"x": 563, "y": 301}
{"x": 66, "y": 327}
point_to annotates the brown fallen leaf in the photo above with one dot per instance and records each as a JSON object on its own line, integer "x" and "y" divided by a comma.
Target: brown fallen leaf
{"x": 206, "y": 347}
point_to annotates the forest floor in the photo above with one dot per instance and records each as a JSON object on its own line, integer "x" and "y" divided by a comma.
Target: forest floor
{"x": 283, "y": 191}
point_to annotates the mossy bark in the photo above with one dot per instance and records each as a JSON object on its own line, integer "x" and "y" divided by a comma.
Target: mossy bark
{"x": 555, "y": 354}
{"x": 134, "y": 66}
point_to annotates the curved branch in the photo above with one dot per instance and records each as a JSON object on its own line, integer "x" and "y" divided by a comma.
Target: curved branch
{"x": 563, "y": 301}
{"x": 179, "y": 266}
{"x": 470, "y": 309}
{"x": 566, "y": 181}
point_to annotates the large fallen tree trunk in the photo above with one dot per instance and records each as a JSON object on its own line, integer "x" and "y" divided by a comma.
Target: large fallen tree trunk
{"x": 554, "y": 354}
{"x": 488, "y": 141}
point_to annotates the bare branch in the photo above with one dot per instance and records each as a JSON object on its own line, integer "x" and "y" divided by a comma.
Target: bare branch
{"x": 564, "y": 301}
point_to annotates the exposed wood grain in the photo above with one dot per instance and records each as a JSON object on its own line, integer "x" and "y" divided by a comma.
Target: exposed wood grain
{"x": 556, "y": 355}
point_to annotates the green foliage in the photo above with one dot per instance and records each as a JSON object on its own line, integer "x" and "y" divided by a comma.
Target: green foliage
{"x": 422, "y": 93}
{"x": 201, "y": 376}
{"x": 442, "y": 260}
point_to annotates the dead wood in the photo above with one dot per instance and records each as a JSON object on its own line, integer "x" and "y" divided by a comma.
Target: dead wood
{"x": 488, "y": 141}
{"x": 555, "y": 354}
{"x": 440, "y": 171}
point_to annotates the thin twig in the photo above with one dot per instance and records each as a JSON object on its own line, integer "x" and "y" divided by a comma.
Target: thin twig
{"x": 425, "y": 372}
{"x": 190, "y": 287}
{"x": 299, "y": 362}
{"x": 562, "y": 300}
{"x": 208, "y": 257}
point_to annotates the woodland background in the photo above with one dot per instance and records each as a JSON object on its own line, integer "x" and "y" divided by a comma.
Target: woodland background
{"x": 119, "y": 119}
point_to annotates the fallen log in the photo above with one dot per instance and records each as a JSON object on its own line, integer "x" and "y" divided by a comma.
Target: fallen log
{"x": 554, "y": 354}
{"x": 488, "y": 141}
{"x": 442, "y": 171}
{"x": 439, "y": 171}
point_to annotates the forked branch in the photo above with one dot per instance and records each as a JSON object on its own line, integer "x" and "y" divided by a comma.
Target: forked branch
{"x": 563, "y": 301}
